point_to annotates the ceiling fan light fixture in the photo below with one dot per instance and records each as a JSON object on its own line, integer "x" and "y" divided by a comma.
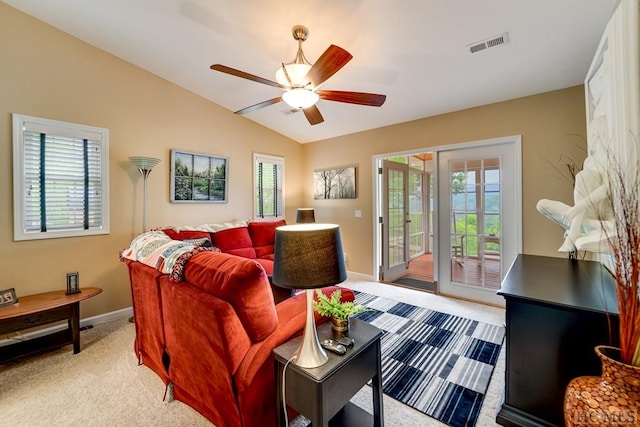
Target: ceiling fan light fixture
{"x": 301, "y": 81}
{"x": 297, "y": 74}
{"x": 300, "y": 98}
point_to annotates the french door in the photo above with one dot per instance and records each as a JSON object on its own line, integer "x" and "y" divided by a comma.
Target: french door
{"x": 479, "y": 210}
{"x": 403, "y": 218}
{"x": 395, "y": 219}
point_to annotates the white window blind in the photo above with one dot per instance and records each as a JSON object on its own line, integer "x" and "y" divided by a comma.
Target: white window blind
{"x": 269, "y": 192}
{"x": 60, "y": 179}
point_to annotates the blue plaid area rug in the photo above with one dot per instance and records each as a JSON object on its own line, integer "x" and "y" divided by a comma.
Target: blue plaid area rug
{"x": 437, "y": 363}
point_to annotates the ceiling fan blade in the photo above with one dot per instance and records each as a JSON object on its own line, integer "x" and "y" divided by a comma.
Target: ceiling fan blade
{"x": 259, "y": 106}
{"x": 313, "y": 115}
{"x": 242, "y": 74}
{"x": 360, "y": 98}
{"x": 327, "y": 65}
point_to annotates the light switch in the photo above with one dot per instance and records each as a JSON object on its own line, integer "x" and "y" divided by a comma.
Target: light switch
{"x": 358, "y": 213}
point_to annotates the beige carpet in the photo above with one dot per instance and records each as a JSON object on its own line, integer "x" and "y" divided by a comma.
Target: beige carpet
{"x": 103, "y": 386}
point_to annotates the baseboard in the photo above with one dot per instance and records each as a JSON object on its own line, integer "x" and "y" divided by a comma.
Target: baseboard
{"x": 123, "y": 313}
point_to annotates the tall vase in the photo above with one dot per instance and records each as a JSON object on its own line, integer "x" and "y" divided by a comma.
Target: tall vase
{"x": 612, "y": 399}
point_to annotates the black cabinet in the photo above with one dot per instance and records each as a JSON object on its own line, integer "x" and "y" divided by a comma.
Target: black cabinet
{"x": 557, "y": 311}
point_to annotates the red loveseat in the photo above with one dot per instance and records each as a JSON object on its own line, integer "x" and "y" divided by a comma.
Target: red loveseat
{"x": 211, "y": 335}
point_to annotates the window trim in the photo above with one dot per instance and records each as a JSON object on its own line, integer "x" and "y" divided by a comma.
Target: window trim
{"x": 275, "y": 160}
{"x": 20, "y": 121}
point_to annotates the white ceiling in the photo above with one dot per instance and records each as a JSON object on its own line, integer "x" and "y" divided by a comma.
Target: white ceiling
{"x": 413, "y": 51}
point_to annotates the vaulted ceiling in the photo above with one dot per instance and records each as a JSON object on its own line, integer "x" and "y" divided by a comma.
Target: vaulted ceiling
{"x": 414, "y": 51}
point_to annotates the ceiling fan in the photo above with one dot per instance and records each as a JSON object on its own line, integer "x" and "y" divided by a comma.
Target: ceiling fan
{"x": 301, "y": 81}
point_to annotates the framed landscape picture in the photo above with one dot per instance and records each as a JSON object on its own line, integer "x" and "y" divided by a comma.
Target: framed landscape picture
{"x": 336, "y": 183}
{"x": 198, "y": 178}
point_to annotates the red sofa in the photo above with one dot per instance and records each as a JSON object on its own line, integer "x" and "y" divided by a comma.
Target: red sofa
{"x": 253, "y": 241}
{"x": 211, "y": 335}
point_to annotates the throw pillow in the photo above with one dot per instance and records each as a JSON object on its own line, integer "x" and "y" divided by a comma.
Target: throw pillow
{"x": 234, "y": 241}
{"x": 263, "y": 233}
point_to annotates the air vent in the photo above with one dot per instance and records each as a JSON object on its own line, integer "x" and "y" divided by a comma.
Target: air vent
{"x": 489, "y": 43}
{"x": 290, "y": 111}
{"x": 477, "y": 47}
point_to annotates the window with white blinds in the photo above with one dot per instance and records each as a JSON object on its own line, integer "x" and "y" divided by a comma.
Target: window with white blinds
{"x": 60, "y": 179}
{"x": 269, "y": 191}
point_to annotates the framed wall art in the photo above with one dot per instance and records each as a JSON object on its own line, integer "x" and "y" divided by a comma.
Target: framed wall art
{"x": 336, "y": 183}
{"x": 198, "y": 178}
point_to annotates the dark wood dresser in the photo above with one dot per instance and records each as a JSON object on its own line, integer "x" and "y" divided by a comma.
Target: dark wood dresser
{"x": 556, "y": 313}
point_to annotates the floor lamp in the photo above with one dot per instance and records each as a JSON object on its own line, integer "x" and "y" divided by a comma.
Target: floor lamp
{"x": 308, "y": 256}
{"x": 144, "y": 165}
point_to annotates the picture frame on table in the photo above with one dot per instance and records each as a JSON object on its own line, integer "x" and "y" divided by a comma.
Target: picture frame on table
{"x": 73, "y": 283}
{"x": 198, "y": 178}
{"x": 8, "y": 297}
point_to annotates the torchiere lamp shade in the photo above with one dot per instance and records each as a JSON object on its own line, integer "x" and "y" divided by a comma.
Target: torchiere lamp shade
{"x": 308, "y": 256}
{"x": 305, "y": 215}
{"x": 144, "y": 163}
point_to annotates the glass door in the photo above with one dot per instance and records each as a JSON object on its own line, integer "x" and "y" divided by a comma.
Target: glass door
{"x": 475, "y": 222}
{"x": 395, "y": 220}
{"x": 478, "y": 206}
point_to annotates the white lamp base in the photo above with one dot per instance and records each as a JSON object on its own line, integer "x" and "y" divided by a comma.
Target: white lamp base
{"x": 310, "y": 354}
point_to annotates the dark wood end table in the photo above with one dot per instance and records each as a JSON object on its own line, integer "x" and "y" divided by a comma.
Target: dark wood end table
{"x": 40, "y": 309}
{"x": 322, "y": 394}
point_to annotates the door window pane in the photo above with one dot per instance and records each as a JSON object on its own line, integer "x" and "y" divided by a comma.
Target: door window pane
{"x": 475, "y": 216}
{"x": 395, "y": 185}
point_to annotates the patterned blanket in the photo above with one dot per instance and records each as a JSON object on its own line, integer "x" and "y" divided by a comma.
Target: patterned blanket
{"x": 157, "y": 250}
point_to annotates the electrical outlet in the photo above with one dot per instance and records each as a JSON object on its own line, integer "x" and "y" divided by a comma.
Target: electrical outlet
{"x": 358, "y": 213}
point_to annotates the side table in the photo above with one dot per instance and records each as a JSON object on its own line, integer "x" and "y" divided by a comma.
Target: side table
{"x": 40, "y": 309}
{"x": 322, "y": 394}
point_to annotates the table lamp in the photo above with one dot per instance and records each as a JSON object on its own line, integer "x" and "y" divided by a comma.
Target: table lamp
{"x": 308, "y": 256}
{"x": 305, "y": 215}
